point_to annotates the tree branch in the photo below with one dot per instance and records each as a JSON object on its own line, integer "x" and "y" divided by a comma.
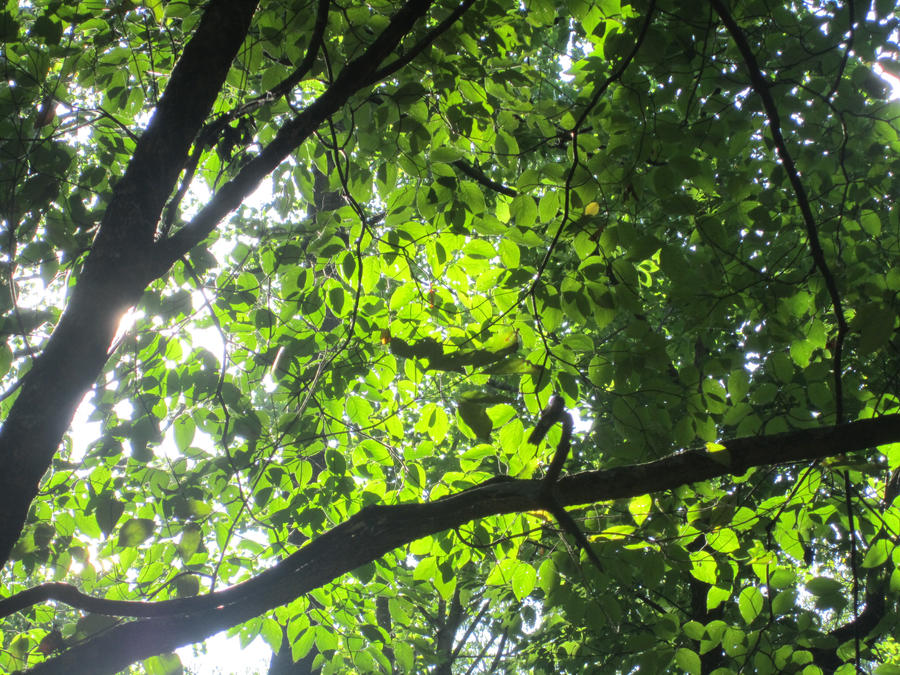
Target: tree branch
{"x": 479, "y": 176}
{"x": 423, "y": 44}
{"x": 761, "y": 87}
{"x": 376, "y": 530}
{"x": 211, "y": 131}
{"x": 117, "y": 269}
{"x": 312, "y": 51}
{"x": 355, "y": 76}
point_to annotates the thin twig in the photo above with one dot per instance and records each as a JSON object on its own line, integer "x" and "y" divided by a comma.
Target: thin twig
{"x": 479, "y": 175}
{"x": 761, "y": 87}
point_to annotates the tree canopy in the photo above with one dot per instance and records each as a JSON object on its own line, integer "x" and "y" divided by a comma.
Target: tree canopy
{"x": 538, "y": 337}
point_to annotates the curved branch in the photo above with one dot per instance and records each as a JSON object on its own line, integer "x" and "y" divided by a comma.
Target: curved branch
{"x": 355, "y": 76}
{"x": 376, "y": 530}
{"x": 761, "y": 87}
{"x": 211, "y": 131}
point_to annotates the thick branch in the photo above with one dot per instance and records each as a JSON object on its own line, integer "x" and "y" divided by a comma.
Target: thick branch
{"x": 376, "y": 530}
{"x": 124, "y": 258}
{"x": 354, "y": 77}
{"x": 116, "y": 271}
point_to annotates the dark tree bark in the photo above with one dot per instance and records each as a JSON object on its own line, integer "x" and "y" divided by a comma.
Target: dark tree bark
{"x": 125, "y": 256}
{"x": 376, "y": 530}
{"x": 450, "y": 618}
{"x": 282, "y": 663}
{"x": 118, "y": 267}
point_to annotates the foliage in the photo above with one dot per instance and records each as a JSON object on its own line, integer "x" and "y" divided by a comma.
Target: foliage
{"x": 677, "y": 215}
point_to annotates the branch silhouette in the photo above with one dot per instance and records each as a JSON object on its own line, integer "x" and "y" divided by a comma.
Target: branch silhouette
{"x": 378, "y": 529}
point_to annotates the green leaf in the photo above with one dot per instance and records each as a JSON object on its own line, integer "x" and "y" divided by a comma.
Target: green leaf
{"x": 404, "y": 295}
{"x": 738, "y": 385}
{"x": 472, "y": 196}
{"x": 688, "y": 661}
{"x": 524, "y": 210}
{"x": 548, "y": 576}
{"x": 878, "y": 553}
{"x": 524, "y": 577}
{"x": 716, "y": 596}
{"x": 358, "y": 410}
{"x": 187, "y": 585}
{"x": 135, "y": 531}
{"x": 821, "y": 586}
{"x": 723, "y": 540}
{"x": 548, "y": 206}
{"x": 191, "y": 536}
{"x": 784, "y": 602}
{"x": 336, "y": 462}
{"x": 501, "y": 573}
{"x": 703, "y": 567}
{"x": 509, "y": 253}
{"x": 164, "y": 664}
{"x": 781, "y": 367}
{"x": 476, "y": 418}
{"x": 640, "y": 508}
{"x": 47, "y": 30}
{"x": 875, "y": 324}
{"x": 184, "y": 428}
{"x": 271, "y": 633}
{"x": 302, "y": 646}
{"x": 479, "y": 248}
{"x": 9, "y": 28}
{"x": 108, "y": 512}
{"x": 750, "y": 603}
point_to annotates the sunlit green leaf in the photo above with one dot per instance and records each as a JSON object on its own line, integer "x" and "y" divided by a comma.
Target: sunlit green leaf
{"x": 135, "y": 531}
{"x": 750, "y": 603}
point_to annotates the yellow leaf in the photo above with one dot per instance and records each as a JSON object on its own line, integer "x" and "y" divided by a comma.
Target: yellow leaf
{"x": 592, "y": 209}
